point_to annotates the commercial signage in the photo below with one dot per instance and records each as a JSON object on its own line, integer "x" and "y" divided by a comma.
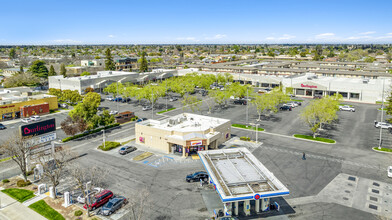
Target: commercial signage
{"x": 38, "y": 128}
{"x": 196, "y": 143}
{"x": 141, "y": 139}
{"x": 308, "y": 86}
{"x": 9, "y": 106}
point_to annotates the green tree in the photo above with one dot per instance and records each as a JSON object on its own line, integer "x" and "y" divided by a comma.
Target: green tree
{"x": 12, "y": 53}
{"x": 115, "y": 89}
{"x": 85, "y": 73}
{"x": 51, "y": 71}
{"x": 39, "y": 69}
{"x": 318, "y": 52}
{"x": 21, "y": 70}
{"x": 63, "y": 71}
{"x": 219, "y": 96}
{"x": 143, "y": 63}
{"x": 106, "y": 118}
{"x": 109, "y": 63}
{"x": 87, "y": 108}
{"x": 310, "y": 115}
{"x": 190, "y": 102}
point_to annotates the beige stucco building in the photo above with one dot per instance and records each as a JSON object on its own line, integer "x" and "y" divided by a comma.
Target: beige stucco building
{"x": 184, "y": 133}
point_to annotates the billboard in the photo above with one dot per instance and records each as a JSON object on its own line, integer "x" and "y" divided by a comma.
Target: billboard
{"x": 38, "y": 128}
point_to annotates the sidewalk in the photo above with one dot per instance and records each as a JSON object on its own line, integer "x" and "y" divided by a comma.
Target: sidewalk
{"x": 12, "y": 210}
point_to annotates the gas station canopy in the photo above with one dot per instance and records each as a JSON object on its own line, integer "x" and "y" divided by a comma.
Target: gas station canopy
{"x": 238, "y": 175}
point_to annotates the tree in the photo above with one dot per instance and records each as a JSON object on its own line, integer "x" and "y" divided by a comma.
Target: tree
{"x": 12, "y": 53}
{"x": 106, "y": 118}
{"x": 51, "y": 71}
{"x": 88, "y": 108}
{"x": 143, "y": 63}
{"x": 138, "y": 204}
{"x": 190, "y": 102}
{"x": 39, "y": 69}
{"x": 21, "y": 70}
{"x": 18, "y": 148}
{"x": 318, "y": 52}
{"x": 310, "y": 115}
{"x": 69, "y": 127}
{"x": 3, "y": 65}
{"x": 54, "y": 165}
{"x": 219, "y": 96}
{"x": 24, "y": 79}
{"x": 71, "y": 96}
{"x": 114, "y": 88}
{"x": 109, "y": 63}
{"x": 63, "y": 71}
{"x": 88, "y": 89}
{"x": 85, "y": 73}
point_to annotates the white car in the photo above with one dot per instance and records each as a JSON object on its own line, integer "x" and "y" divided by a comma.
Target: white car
{"x": 82, "y": 199}
{"x": 347, "y": 108}
{"x": 294, "y": 103}
{"x": 35, "y": 118}
{"x": 146, "y": 108}
{"x": 390, "y": 171}
{"x": 26, "y": 120}
{"x": 383, "y": 125}
{"x": 113, "y": 112}
{"x": 172, "y": 99}
{"x": 109, "y": 98}
{"x": 290, "y": 104}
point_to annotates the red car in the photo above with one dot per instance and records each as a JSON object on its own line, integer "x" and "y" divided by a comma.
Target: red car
{"x": 99, "y": 200}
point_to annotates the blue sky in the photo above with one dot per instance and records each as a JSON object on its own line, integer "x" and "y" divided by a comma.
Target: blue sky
{"x": 190, "y": 21}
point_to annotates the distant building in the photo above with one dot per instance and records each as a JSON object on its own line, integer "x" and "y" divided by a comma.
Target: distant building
{"x": 95, "y": 62}
{"x": 126, "y": 64}
{"x": 11, "y": 71}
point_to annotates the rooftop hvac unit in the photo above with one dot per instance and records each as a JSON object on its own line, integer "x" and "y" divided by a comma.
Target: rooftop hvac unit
{"x": 365, "y": 81}
{"x": 310, "y": 78}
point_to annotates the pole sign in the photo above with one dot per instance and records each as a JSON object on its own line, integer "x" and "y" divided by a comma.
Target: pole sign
{"x": 38, "y": 128}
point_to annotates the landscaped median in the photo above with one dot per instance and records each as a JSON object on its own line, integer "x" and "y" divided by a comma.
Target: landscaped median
{"x": 246, "y": 127}
{"x": 89, "y": 132}
{"x": 388, "y": 150}
{"x": 45, "y": 210}
{"x": 109, "y": 145}
{"x": 320, "y": 139}
{"x": 20, "y": 195}
{"x": 165, "y": 110}
{"x": 143, "y": 156}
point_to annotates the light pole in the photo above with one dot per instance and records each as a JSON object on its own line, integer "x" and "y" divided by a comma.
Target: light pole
{"x": 382, "y": 115}
{"x": 116, "y": 95}
{"x": 104, "y": 138}
{"x": 256, "y": 131}
{"x": 247, "y": 104}
{"x": 59, "y": 83}
{"x": 166, "y": 93}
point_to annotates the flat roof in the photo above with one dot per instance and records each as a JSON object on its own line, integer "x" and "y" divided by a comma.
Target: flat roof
{"x": 238, "y": 175}
{"x": 186, "y": 122}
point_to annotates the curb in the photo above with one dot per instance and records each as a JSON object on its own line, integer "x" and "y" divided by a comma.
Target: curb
{"x": 384, "y": 152}
{"x": 312, "y": 140}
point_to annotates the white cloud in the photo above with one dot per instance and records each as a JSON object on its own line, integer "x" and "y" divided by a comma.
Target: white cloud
{"x": 359, "y": 37}
{"x": 216, "y": 37}
{"x": 367, "y": 33}
{"x": 111, "y": 36}
{"x": 388, "y": 36}
{"x": 286, "y": 37}
{"x": 325, "y": 35}
{"x": 187, "y": 39}
{"x": 67, "y": 41}
{"x": 270, "y": 38}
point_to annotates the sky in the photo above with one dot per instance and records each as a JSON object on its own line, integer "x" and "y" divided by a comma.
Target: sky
{"x": 44, "y": 22}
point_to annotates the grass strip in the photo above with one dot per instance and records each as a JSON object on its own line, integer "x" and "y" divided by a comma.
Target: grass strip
{"x": 383, "y": 149}
{"x": 247, "y": 127}
{"x": 20, "y": 195}
{"x": 109, "y": 145}
{"x": 326, "y": 140}
{"x": 5, "y": 159}
{"x": 165, "y": 110}
{"x": 143, "y": 156}
{"x": 296, "y": 100}
{"x": 42, "y": 208}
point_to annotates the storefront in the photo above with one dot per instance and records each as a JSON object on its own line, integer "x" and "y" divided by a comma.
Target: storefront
{"x": 184, "y": 134}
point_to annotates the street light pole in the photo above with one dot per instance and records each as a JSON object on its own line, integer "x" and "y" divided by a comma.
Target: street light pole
{"x": 104, "y": 139}
{"x": 382, "y": 115}
{"x": 117, "y": 94}
{"x": 257, "y": 131}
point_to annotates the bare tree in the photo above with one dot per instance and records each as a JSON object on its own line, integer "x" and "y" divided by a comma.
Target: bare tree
{"x": 82, "y": 175}
{"x": 54, "y": 165}
{"x": 138, "y": 205}
{"x": 18, "y": 148}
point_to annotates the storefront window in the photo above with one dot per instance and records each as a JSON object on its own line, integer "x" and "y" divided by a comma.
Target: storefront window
{"x": 300, "y": 92}
{"x": 308, "y": 92}
{"x": 354, "y": 95}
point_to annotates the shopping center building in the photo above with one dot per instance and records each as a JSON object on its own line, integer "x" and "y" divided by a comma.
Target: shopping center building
{"x": 17, "y": 105}
{"x": 183, "y": 134}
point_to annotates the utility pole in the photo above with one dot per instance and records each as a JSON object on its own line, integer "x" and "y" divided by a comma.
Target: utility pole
{"x": 382, "y": 115}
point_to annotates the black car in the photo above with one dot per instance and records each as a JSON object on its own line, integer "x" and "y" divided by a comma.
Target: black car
{"x": 126, "y": 100}
{"x": 2, "y": 127}
{"x": 126, "y": 149}
{"x": 113, "y": 205}
{"x": 285, "y": 108}
{"x": 197, "y": 176}
{"x": 240, "y": 102}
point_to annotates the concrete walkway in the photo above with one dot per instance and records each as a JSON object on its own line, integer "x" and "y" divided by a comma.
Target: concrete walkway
{"x": 10, "y": 209}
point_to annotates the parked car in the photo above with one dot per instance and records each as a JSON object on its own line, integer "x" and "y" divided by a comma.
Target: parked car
{"x": 100, "y": 199}
{"x": 113, "y": 112}
{"x": 383, "y": 125}
{"x": 113, "y": 205}
{"x": 228, "y": 218}
{"x": 317, "y": 97}
{"x": 26, "y": 120}
{"x": 141, "y": 119}
{"x": 63, "y": 105}
{"x": 2, "y": 127}
{"x": 285, "y": 108}
{"x": 298, "y": 103}
{"x": 172, "y": 99}
{"x": 118, "y": 99}
{"x": 294, "y": 103}
{"x": 110, "y": 98}
{"x": 82, "y": 199}
{"x": 35, "y": 118}
{"x": 197, "y": 176}
{"x": 126, "y": 100}
{"x": 240, "y": 102}
{"x": 126, "y": 149}
{"x": 347, "y": 108}
{"x": 146, "y": 108}
{"x": 289, "y": 104}
{"x": 390, "y": 171}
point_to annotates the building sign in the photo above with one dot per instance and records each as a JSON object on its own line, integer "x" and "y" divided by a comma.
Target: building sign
{"x": 196, "y": 143}
{"x": 141, "y": 139}
{"x": 9, "y": 106}
{"x": 38, "y": 128}
{"x": 308, "y": 86}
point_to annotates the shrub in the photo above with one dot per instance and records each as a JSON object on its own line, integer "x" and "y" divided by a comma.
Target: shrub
{"x": 109, "y": 145}
{"x": 22, "y": 183}
{"x": 78, "y": 213}
{"x": 28, "y": 173}
{"x": 6, "y": 181}
{"x": 89, "y": 132}
{"x": 245, "y": 138}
